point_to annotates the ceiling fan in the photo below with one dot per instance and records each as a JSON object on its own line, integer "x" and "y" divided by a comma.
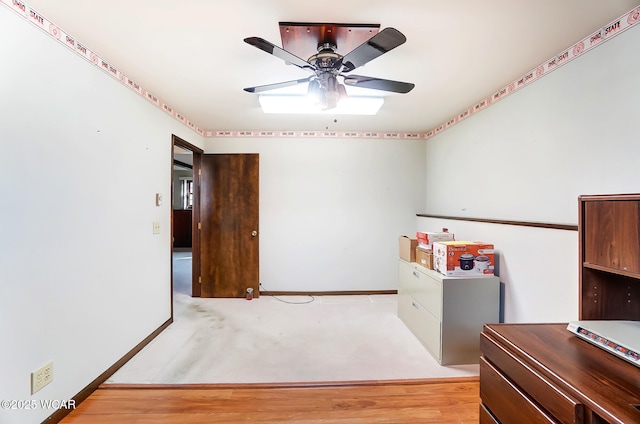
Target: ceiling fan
{"x": 327, "y": 65}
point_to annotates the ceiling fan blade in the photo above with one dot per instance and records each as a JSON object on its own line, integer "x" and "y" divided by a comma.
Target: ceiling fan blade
{"x": 278, "y": 52}
{"x": 379, "y": 44}
{"x": 378, "y": 84}
{"x": 268, "y": 87}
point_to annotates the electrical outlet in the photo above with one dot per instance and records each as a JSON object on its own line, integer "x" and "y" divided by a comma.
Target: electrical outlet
{"x": 41, "y": 377}
{"x": 156, "y": 227}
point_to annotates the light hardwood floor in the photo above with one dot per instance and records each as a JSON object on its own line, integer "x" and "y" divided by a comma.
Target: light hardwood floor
{"x": 442, "y": 401}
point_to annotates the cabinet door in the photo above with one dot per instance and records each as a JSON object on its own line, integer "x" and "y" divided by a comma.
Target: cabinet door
{"x": 611, "y": 234}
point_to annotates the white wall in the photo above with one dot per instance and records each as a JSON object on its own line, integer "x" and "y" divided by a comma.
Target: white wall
{"x": 82, "y": 277}
{"x": 529, "y": 157}
{"x": 331, "y": 210}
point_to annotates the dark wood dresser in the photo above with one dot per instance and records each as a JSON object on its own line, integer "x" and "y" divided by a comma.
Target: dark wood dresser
{"x": 542, "y": 373}
{"x": 182, "y": 227}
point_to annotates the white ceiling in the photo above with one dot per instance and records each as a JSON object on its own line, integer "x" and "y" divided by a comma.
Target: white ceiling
{"x": 191, "y": 54}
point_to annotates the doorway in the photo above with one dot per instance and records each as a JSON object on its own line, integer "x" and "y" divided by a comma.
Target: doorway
{"x": 219, "y": 198}
{"x": 185, "y": 216}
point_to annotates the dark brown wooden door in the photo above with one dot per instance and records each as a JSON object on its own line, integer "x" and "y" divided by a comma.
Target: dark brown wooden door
{"x": 229, "y": 225}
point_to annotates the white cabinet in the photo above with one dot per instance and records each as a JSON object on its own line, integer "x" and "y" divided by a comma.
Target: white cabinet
{"x": 447, "y": 313}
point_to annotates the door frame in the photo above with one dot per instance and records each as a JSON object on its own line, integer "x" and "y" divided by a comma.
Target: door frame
{"x": 195, "y": 220}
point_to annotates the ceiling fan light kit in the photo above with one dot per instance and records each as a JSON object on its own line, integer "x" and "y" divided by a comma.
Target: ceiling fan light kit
{"x": 297, "y": 104}
{"x": 327, "y": 65}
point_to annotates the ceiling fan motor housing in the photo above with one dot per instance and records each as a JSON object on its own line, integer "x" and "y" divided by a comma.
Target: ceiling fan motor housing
{"x": 326, "y": 59}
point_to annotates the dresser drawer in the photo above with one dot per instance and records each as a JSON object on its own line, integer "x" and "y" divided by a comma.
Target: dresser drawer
{"x": 507, "y": 403}
{"x": 422, "y": 324}
{"x": 486, "y": 417}
{"x": 558, "y": 404}
{"x": 423, "y": 288}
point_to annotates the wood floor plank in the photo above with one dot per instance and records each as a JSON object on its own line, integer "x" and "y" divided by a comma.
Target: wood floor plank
{"x": 454, "y": 401}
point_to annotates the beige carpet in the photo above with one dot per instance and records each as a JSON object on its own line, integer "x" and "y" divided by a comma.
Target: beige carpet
{"x": 283, "y": 340}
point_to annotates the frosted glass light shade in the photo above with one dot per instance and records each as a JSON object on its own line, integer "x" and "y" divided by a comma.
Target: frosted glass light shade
{"x": 297, "y": 104}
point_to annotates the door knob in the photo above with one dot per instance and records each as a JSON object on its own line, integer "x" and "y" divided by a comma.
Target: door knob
{"x": 254, "y": 233}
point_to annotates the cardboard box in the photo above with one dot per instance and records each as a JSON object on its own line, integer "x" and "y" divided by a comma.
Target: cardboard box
{"x": 426, "y": 238}
{"x": 407, "y": 249}
{"x": 424, "y": 257}
{"x": 463, "y": 258}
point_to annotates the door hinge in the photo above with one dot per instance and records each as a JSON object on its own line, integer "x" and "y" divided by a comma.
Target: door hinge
{"x": 199, "y": 171}
{"x": 199, "y": 225}
{"x": 200, "y": 280}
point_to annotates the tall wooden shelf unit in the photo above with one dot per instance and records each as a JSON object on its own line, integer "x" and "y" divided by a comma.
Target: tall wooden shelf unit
{"x": 609, "y": 255}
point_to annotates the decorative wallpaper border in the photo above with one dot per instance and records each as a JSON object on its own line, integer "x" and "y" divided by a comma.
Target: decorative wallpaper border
{"x": 39, "y": 21}
{"x": 610, "y": 30}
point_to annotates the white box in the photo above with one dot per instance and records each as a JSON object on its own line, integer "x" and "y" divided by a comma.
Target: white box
{"x": 427, "y": 238}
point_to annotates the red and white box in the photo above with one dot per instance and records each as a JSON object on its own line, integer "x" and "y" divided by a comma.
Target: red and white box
{"x": 426, "y": 239}
{"x": 463, "y": 258}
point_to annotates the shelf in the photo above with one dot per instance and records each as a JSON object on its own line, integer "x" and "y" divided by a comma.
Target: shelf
{"x": 611, "y": 270}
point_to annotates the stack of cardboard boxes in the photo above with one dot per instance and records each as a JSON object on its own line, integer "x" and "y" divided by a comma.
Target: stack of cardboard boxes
{"x": 426, "y": 239}
{"x": 420, "y": 249}
{"x": 454, "y": 258}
